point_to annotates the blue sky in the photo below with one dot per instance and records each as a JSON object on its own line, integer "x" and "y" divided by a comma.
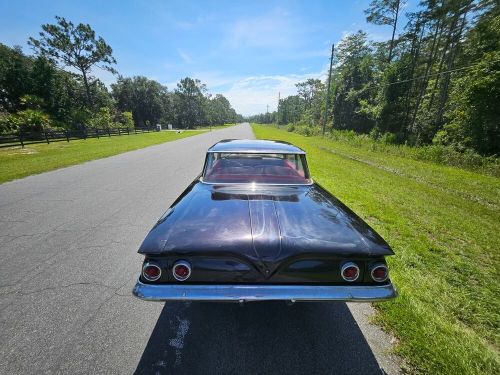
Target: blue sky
{"x": 246, "y": 50}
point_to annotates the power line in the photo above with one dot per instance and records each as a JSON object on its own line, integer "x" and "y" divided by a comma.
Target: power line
{"x": 409, "y": 80}
{"x": 427, "y": 76}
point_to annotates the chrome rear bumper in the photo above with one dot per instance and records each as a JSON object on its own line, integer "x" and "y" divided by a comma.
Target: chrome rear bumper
{"x": 245, "y": 293}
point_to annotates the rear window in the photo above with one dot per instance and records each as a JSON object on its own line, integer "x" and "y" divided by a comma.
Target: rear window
{"x": 260, "y": 168}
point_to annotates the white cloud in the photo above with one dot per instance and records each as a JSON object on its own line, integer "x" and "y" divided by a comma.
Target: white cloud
{"x": 379, "y": 37}
{"x": 247, "y": 95}
{"x": 215, "y": 81}
{"x": 251, "y": 95}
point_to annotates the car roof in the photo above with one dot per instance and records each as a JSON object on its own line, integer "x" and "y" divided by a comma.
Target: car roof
{"x": 255, "y": 146}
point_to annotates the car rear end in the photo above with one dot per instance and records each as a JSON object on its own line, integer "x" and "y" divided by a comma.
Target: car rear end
{"x": 255, "y": 227}
{"x": 205, "y": 278}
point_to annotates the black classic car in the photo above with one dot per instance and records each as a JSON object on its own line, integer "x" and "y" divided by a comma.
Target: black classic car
{"x": 255, "y": 226}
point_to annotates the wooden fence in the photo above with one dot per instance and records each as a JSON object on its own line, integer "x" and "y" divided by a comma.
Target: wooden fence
{"x": 28, "y": 138}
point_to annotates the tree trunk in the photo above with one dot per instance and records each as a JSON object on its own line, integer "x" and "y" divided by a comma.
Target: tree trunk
{"x": 415, "y": 53}
{"x": 451, "y": 59}
{"x": 87, "y": 87}
{"x": 393, "y": 32}
{"x": 444, "y": 56}
{"x": 425, "y": 82}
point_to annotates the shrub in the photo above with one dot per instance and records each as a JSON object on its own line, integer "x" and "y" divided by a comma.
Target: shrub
{"x": 388, "y": 138}
{"x": 31, "y": 120}
{"x": 80, "y": 117}
{"x": 308, "y": 130}
{"x": 102, "y": 119}
{"x": 31, "y": 101}
{"x": 5, "y": 125}
{"x": 127, "y": 120}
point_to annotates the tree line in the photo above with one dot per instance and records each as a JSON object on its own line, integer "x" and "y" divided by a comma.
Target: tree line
{"x": 55, "y": 88}
{"x": 437, "y": 82}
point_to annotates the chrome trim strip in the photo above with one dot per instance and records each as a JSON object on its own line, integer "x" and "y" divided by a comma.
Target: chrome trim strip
{"x": 240, "y": 293}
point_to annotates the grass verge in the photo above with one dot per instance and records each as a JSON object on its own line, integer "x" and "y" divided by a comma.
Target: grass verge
{"x": 437, "y": 154}
{"x": 442, "y": 222}
{"x": 16, "y": 162}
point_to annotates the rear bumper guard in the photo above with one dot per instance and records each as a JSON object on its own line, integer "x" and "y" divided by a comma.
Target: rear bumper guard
{"x": 246, "y": 293}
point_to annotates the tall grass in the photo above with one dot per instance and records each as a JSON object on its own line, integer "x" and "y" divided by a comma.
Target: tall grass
{"x": 385, "y": 144}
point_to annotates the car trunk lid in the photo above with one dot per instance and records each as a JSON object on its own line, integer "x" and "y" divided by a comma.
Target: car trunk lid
{"x": 262, "y": 226}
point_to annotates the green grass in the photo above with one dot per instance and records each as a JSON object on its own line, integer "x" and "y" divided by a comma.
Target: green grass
{"x": 438, "y": 154}
{"x": 443, "y": 224}
{"x": 16, "y": 162}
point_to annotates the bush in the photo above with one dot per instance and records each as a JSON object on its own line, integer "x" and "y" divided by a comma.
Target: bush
{"x": 29, "y": 120}
{"x": 31, "y": 102}
{"x": 127, "y": 120}
{"x": 5, "y": 124}
{"x": 388, "y": 138}
{"x": 102, "y": 119}
{"x": 308, "y": 130}
{"x": 80, "y": 118}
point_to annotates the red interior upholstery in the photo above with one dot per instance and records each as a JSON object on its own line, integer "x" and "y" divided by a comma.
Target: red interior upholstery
{"x": 272, "y": 170}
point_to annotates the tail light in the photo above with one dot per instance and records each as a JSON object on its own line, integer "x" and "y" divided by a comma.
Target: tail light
{"x": 151, "y": 271}
{"x": 181, "y": 270}
{"x": 379, "y": 272}
{"x": 349, "y": 271}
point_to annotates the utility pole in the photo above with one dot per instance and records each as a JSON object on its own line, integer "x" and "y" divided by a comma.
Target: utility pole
{"x": 279, "y": 99}
{"x": 327, "y": 104}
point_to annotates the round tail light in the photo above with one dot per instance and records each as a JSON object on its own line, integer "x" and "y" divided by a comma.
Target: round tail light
{"x": 379, "y": 272}
{"x": 350, "y": 271}
{"x": 151, "y": 271}
{"x": 181, "y": 270}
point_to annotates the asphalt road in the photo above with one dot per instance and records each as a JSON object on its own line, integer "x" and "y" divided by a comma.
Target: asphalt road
{"x": 68, "y": 242}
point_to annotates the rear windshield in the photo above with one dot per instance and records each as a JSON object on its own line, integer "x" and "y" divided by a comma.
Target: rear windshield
{"x": 261, "y": 168}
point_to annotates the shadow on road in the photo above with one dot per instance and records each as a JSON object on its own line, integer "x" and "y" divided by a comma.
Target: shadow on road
{"x": 258, "y": 338}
